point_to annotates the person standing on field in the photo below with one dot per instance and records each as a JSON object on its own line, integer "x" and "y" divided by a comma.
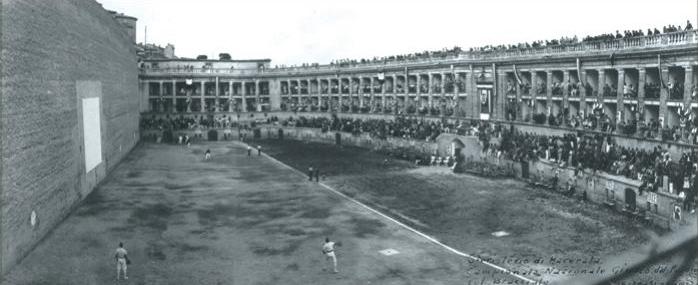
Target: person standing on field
{"x": 122, "y": 261}
{"x": 328, "y": 250}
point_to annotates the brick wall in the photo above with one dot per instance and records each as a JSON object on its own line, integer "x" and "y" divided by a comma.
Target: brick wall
{"x": 47, "y": 48}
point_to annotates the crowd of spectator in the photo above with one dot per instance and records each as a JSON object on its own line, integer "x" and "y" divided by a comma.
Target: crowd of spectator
{"x": 598, "y": 152}
{"x": 402, "y": 126}
{"x": 582, "y": 150}
{"x": 458, "y": 51}
{"x": 175, "y": 123}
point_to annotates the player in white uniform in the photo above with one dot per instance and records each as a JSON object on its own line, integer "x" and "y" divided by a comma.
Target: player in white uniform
{"x": 121, "y": 257}
{"x": 328, "y": 250}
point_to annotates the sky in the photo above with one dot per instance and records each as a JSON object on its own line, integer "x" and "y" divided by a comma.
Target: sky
{"x": 309, "y": 31}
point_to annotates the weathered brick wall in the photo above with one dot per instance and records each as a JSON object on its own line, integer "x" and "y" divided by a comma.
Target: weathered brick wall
{"x": 47, "y": 47}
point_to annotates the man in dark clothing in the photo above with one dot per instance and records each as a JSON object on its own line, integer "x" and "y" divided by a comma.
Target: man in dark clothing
{"x": 317, "y": 175}
{"x": 310, "y": 173}
{"x": 259, "y": 150}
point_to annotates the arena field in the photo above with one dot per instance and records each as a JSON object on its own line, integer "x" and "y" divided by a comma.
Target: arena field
{"x": 231, "y": 220}
{"x": 236, "y": 219}
{"x": 547, "y": 236}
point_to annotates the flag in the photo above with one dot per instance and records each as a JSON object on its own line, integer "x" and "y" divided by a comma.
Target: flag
{"x": 516, "y": 74}
{"x": 659, "y": 66}
{"x": 579, "y": 71}
{"x": 381, "y": 76}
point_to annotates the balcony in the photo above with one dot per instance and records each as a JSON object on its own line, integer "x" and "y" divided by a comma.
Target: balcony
{"x": 680, "y": 38}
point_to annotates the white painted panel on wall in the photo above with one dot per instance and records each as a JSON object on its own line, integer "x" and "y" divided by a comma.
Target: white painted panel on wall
{"x": 91, "y": 123}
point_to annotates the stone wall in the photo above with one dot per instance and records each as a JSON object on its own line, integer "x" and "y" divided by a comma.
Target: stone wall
{"x": 54, "y": 54}
{"x": 601, "y": 188}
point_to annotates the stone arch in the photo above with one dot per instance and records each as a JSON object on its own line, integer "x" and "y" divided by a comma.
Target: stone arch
{"x": 630, "y": 199}
{"x": 212, "y": 135}
{"x": 455, "y": 147}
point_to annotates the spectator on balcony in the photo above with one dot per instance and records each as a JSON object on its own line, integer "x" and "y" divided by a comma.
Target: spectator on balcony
{"x": 688, "y": 25}
{"x": 607, "y": 90}
{"x": 629, "y": 91}
{"x": 511, "y": 88}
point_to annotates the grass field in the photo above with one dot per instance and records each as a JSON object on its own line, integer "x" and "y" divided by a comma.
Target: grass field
{"x": 236, "y": 219}
{"x": 551, "y": 236}
{"x": 230, "y": 220}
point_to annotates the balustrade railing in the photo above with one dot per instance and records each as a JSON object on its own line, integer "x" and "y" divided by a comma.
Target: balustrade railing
{"x": 679, "y": 38}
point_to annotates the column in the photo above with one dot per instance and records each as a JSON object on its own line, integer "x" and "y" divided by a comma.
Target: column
{"x": 534, "y": 91}
{"x": 150, "y": 106}
{"x": 456, "y": 86}
{"x": 498, "y": 97}
{"x": 583, "y": 91}
{"x": 383, "y": 101}
{"x": 620, "y": 107}
{"x": 419, "y": 86}
{"x": 642, "y": 78}
{"x": 565, "y": 94}
{"x": 459, "y": 91}
{"x": 443, "y": 84}
{"x": 339, "y": 93}
{"x": 501, "y": 95}
{"x": 351, "y": 92}
{"x": 217, "y": 100}
{"x": 244, "y": 98}
{"x": 361, "y": 91}
{"x": 328, "y": 95}
{"x": 230, "y": 96}
{"x": 602, "y": 82}
{"x": 174, "y": 96}
{"x": 203, "y": 90}
{"x": 687, "y": 89}
{"x": 473, "y": 97}
{"x": 189, "y": 99}
{"x": 394, "y": 95}
{"x": 663, "y": 98}
{"x": 549, "y": 93}
{"x": 406, "y": 85}
{"x": 442, "y": 98}
{"x": 519, "y": 105}
{"x": 257, "y": 100}
{"x": 161, "y": 100}
{"x": 373, "y": 98}
{"x": 430, "y": 99}
{"x": 688, "y": 85}
{"x": 565, "y": 83}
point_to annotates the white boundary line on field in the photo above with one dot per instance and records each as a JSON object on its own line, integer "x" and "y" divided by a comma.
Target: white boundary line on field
{"x": 427, "y": 237}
